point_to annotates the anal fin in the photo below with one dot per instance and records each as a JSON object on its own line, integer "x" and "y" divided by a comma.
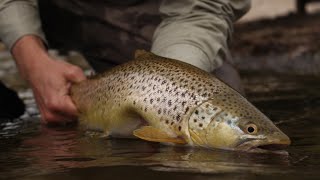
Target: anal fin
{"x": 150, "y": 133}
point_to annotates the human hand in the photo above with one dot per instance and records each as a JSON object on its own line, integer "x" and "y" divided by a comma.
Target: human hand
{"x": 49, "y": 79}
{"x": 50, "y": 82}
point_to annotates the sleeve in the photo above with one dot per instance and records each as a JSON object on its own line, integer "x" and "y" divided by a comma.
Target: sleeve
{"x": 19, "y": 18}
{"x": 197, "y": 31}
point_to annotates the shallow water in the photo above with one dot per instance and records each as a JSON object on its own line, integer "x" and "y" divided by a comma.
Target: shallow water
{"x": 31, "y": 151}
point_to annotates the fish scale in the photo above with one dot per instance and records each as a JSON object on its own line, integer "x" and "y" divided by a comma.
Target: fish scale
{"x": 158, "y": 99}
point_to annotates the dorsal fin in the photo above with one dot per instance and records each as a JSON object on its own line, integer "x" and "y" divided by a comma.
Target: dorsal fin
{"x": 141, "y": 53}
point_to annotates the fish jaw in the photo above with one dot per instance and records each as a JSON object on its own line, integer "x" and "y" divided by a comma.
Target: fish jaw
{"x": 262, "y": 144}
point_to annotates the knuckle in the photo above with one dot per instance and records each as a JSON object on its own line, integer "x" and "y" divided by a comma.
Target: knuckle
{"x": 75, "y": 70}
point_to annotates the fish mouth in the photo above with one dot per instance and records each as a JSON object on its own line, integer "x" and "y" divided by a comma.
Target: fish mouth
{"x": 265, "y": 146}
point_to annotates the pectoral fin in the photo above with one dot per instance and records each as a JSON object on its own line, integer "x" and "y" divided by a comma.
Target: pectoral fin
{"x": 150, "y": 133}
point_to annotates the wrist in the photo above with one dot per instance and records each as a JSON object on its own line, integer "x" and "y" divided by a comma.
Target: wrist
{"x": 29, "y": 53}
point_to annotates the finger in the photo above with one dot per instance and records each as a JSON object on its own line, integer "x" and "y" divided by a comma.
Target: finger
{"x": 59, "y": 111}
{"x": 67, "y": 107}
{"x": 75, "y": 74}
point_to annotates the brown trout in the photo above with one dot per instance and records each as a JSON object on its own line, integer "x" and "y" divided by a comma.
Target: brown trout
{"x": 169, "y": 101}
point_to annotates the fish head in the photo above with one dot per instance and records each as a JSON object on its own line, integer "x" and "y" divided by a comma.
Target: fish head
{"x": 235, "y": 124}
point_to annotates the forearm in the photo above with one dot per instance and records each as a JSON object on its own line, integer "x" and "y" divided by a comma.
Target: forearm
{"x": 17, "y": 19}
{"x": 28, "y": 52}
{"x": 197, "y": 31}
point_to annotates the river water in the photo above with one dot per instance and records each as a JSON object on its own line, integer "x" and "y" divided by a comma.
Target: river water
{"x": 29, "y": 150}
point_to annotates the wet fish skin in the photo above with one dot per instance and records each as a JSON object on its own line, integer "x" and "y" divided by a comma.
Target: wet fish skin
{"x": 165, "y": 100}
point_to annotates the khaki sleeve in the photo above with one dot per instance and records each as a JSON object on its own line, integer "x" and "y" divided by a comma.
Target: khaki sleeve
{"x": 197, "y": 31}
{"x": 19, "y": 18}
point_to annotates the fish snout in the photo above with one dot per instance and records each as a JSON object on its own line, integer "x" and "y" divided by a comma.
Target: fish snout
{"x": 280, "y": 138}
{"x": 277, "y": 141}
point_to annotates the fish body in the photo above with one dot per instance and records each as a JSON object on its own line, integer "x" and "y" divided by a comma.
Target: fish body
{"x": 165, "y": 100}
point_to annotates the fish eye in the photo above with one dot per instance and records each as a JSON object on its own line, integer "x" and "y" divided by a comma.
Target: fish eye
{"x": 251, "y": 129}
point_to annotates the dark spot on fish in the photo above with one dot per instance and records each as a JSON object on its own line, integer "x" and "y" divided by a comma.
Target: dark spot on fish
{"x": 151, "y": 101}
{"x": 178, "y": 117}
{"x": 164, "y": 110}
{"x": 196, "y": 112}
{"x": 187, "y": 109}
{"x": 159, "y": 111}
{"x": 179, "y": 128}
{"x": 134, "y": 102}
{"x": 200, "y": 125}
{"x": 145, "y": 109}
{"x": 172, "y": 123}
{"x": 167, "y": 121}
{"x": 175, "y": 107}
{"x": 194, "y": 120}
{"x": 229, "y": 122}
{"x": 169, "y": 103}
{"x": 202, "y": 117}
{"x": 184, "y": 103}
